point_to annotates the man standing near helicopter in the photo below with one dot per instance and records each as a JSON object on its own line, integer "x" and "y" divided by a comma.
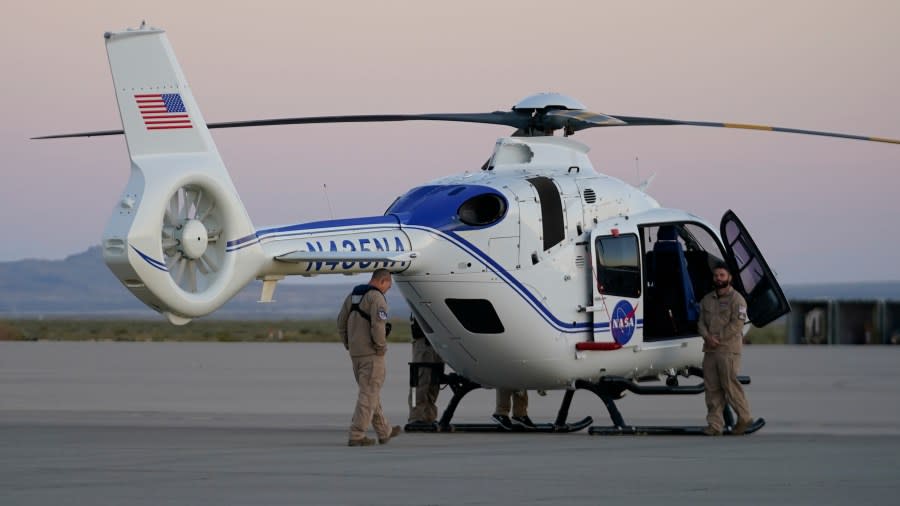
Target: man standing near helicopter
{"x": 363, "y": 326}
{"x": 425, "y": 410}
{"x": 723, "y": 313}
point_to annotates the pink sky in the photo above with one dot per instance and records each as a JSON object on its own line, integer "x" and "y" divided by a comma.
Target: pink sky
{"x": 822, "y": 209}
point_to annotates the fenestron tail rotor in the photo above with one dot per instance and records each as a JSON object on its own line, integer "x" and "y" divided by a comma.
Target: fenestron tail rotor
{"x": 191, "y": 238}
{"x": 536, "y": 115}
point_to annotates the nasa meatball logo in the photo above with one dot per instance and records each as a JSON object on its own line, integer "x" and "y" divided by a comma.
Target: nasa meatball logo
{"x": 622, "y": 323}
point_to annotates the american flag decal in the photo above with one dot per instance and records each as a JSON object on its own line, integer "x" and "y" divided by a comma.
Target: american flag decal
{"x": 163, "y": 111}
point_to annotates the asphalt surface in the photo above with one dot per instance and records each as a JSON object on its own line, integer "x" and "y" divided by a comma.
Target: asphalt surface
{"x": 231, "y": 424}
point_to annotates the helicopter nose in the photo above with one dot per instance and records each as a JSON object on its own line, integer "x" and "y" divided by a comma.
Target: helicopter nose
{"x": 451, "y": 207}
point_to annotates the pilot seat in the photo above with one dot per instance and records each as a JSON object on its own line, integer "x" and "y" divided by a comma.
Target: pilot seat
{"x": 671, "y": 307}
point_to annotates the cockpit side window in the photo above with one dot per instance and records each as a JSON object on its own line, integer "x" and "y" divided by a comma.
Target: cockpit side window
{"x": 618, "y": 266}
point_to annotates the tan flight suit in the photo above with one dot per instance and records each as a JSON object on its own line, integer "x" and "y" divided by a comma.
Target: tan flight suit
{"x": 425, "y": 409}
{"x": 367, "y": 344}
{"x": 519, "y": 402}
{"x": 723, "y": 316}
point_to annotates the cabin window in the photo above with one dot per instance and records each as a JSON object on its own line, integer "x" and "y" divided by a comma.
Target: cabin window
{"x": 476, "y": 315}
{"x": 554, "y": 230}
{"x": 618, "y": 267}
{"x": 482, "y": 210}
{"x": 749, "y": 269}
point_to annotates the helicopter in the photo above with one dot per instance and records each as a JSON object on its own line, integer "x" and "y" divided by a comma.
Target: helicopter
{"x": 535, "y": 273}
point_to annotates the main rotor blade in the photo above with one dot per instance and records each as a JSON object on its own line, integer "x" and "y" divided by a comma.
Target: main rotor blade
{"x": 572, "y": 120}
{"x": 642, "y": 121}
{"x": 99, "y": 133}
{"x": 509, "y": 118}
{"x": 579, "y": 119}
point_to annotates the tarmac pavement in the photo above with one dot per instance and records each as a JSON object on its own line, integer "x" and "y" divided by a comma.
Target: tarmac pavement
{"x": 236, "y": 423}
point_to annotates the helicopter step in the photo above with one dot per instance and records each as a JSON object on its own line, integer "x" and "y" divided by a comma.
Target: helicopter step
{"x": 610, "y": 388}
{"x": 461, "y": 386}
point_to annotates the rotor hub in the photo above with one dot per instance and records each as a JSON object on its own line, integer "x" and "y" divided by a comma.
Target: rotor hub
{"x": 193, "y": 239}
{"x": 548, "y": 100}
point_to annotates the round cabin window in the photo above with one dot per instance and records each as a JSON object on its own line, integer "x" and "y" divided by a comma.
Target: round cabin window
{"x": 482, "y": 210}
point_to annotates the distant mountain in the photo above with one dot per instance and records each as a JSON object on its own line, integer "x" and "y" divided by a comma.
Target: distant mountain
{"x": 82, "y": 286}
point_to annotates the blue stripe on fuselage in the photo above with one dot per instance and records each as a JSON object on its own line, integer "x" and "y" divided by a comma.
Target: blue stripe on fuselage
{"x": 301, "y": 229}
{"x": 155, "y": 263}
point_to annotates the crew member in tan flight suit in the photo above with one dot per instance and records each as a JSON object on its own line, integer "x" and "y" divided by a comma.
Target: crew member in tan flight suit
{"x": 723, "y": 313}
{"x": 363, "y": 326}
{"x": 425, "y": 411}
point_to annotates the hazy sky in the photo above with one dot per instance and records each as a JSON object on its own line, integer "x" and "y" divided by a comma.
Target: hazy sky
{"x": 822, "y": 209}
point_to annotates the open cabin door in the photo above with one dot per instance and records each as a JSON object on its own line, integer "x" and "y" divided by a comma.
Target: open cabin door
{"x": 751, "y": 275}
{"x": 616, "y": 277}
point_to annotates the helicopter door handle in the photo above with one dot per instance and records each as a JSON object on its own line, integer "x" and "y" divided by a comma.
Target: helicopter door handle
{"x": 588, "y": 309}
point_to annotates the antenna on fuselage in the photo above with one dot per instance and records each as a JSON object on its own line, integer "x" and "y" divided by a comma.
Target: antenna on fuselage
{"x": 642, "y": 185}
{"x": 327, "y": 200}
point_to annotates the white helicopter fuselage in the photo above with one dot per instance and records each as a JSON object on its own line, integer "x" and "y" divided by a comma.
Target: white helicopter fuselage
{"x": 539, "y": 295}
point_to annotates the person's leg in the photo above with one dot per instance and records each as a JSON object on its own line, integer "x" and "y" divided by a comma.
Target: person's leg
{"x": 503, "y": 402}
{"x": 734, "y": 391}
{"x": 520, "y": 403}
{"x": 715, "y": 396}
{"x": 425, "y": 409}
{"x": 365, "y": 403}
{"x": 379, "y": 421}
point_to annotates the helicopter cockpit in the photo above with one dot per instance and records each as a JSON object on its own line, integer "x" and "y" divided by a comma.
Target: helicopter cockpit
{"x": 678, "y": 261}
{"x": 450, "y": 207}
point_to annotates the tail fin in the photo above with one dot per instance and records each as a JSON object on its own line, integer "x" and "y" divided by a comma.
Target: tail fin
{"x": 167, "y": 237}
{"x": 158, "y": 111}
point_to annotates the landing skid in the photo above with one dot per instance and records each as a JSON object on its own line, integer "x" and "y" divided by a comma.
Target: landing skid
{"x": 608, "y": 389}
{"x": 496, "y": 427}
{"x": 667, "y": 431}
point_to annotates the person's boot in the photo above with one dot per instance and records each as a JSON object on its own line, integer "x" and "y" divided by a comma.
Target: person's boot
{"x": 741, "y": 427}
{"x": 504, "y": 421}
{"x": 395, "y": 431}
{"x": 711, "y": 431}
{"x": 524, "y": 420}
{"x": 363, "y": 441}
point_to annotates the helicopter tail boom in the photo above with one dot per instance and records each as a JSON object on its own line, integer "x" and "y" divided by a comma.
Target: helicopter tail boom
{"x": 167, "y": 237}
